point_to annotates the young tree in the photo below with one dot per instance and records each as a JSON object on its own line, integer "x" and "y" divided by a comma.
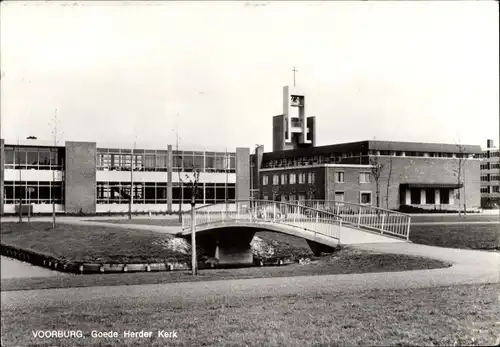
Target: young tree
{"x": 376, "y": 171}
{"x": 192, "y": 183}
{"x": 56, "y": 141}
{"x": 460, "y": 175}
{"x": 389, "y": 174}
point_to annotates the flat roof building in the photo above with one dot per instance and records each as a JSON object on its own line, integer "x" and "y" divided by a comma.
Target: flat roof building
{"x": 82, "y": 177}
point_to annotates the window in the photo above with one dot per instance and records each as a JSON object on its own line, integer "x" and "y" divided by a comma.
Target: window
{"x": 495, "y": 165}
{"x": 293, "y": 197}
{"x": 484, "y": 190}
{"x": 302, "y": 197}
{"x": 33, "y": 192}
{"x": 302, "y": 178}
{"x": 365, "y": 198}
{"x": 276, "y": 180}
{"x": 339, "y": 177}
{"x": 444, "y": 195}
{"x": 495, "y": 178}
{"x": 430, "y": 196}
{"x": 311, "y": 179}
{"x": 415, "y": 196}
{"x": 265, "y": 180}
{"x": 339, "y": 196}
{"x": 292, "y": 178}
{"x": 283, "y": 179}
{"x": 484, "y": 178}
{"x": 496, "y": 189}
{"x": 364, "y": 177}
{"x": 484, "y": 166}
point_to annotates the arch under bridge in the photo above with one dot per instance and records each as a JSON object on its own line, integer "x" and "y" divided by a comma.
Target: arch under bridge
{"x": 226, "y": 229}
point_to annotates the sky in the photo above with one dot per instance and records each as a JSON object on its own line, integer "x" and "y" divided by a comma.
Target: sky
{"x": 213, "y": 72}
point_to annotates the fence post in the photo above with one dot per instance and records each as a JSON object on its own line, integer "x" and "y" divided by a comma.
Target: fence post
{"x": 383, "y": 219}
{"x": 359, "y": 216}
{"x": 274, "y": 213}
{"x": 317, "y": 217}
{"x": 182, "y": 221}
{"x": 408, "y": 229}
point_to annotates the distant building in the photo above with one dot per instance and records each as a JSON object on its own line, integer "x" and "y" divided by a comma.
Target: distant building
{"x": 423, "y": 175}
{"x": 420, "y": 175}
{"x": 490, "y": 175}
{"x": 82, "y": 177}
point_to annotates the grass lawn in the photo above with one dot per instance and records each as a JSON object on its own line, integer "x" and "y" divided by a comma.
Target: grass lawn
{"x": 450, "y": 316}
{"x": 467, "y": 236}
{"x": 90, "y": 244}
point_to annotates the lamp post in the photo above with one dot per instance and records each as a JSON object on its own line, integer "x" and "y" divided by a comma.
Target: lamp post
{"x": 194, "y": 265}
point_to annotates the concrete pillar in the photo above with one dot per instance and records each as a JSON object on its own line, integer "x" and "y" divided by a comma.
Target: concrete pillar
{"x": 423, "y": 197}
{"x": 237, "y": 255}
{"x": 452, "y": 199}
{"x": 80, "y": 177}
{"x": 437, "y": 196}
{"x": 408, "y": 197}
{"x": 242, "y": 174}
{"x": 233, "y": 246}
{"x": 170, "y": 163}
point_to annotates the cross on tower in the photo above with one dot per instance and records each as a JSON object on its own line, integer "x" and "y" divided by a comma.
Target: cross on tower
{"x": 294, "y": 71}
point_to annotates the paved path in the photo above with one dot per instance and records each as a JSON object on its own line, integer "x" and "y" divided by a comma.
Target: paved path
{"x": 470, "y": 267}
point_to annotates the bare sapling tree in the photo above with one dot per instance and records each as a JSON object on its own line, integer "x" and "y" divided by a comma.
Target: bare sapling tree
{"x": 376, "y": 171}
{"x": 193, "y": 183}
{"x": 54, "y": 159}
{"x": 460, "y": 175}
{"x": 388, "y": 185}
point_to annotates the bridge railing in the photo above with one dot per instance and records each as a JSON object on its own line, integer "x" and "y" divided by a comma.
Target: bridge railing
{"x": 256, "y": 211}
{"x": 366, "y": 216}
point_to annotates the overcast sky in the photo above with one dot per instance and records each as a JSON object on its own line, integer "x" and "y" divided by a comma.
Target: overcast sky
{"x": 403, "y": 71}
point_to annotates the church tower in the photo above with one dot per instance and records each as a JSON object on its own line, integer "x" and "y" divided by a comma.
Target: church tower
{"x": 293, "y": 129}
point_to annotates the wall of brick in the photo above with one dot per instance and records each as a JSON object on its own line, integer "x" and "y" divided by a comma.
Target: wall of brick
{"x": 317, "y": 188}
{"x": 429, "y": 170}
{"x": 80, "y": 177}
{"x": 351, "y": 186}
{"x": 242, "y": 174}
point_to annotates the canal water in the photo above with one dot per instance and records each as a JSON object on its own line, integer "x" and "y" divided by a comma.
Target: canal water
{"x": 13, "y": 268}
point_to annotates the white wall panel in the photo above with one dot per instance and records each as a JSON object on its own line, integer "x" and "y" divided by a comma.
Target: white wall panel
{"x": 32, "y": 175}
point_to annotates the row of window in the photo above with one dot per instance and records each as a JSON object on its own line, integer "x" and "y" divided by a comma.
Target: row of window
{"x": 490, "y": 166}
{"x": 159, "y": 162}
{"x": 35, "y": 192}
{"x": 430, "y": 196}
{"x": 489, "y": 178}
{"x": 292, "y": 178}
{"x": 300, "y": 178}
{"x": 364, "y": 197}
{"x": 492, "y": 189}
{"x": 335, "y": 158}
{"x": 156, "y": 193}
{"x": 43, "y": 158}
{"x": 490, "y": 154}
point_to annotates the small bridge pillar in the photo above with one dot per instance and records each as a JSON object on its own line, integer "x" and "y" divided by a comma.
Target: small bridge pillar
{"x": 318, "y": 248}
{"x": 233, "y": 247}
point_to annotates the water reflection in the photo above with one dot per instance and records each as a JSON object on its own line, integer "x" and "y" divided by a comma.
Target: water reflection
{"x": 13, "y": 268}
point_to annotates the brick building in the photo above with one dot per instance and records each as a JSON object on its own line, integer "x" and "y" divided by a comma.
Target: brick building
{"x": 490, "y": 175}
{"x": 423, "y": 175}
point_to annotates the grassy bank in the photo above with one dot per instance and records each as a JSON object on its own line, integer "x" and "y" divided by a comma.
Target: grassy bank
{"x": 451, "y": 316}
{"x": 343, "y": 262}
